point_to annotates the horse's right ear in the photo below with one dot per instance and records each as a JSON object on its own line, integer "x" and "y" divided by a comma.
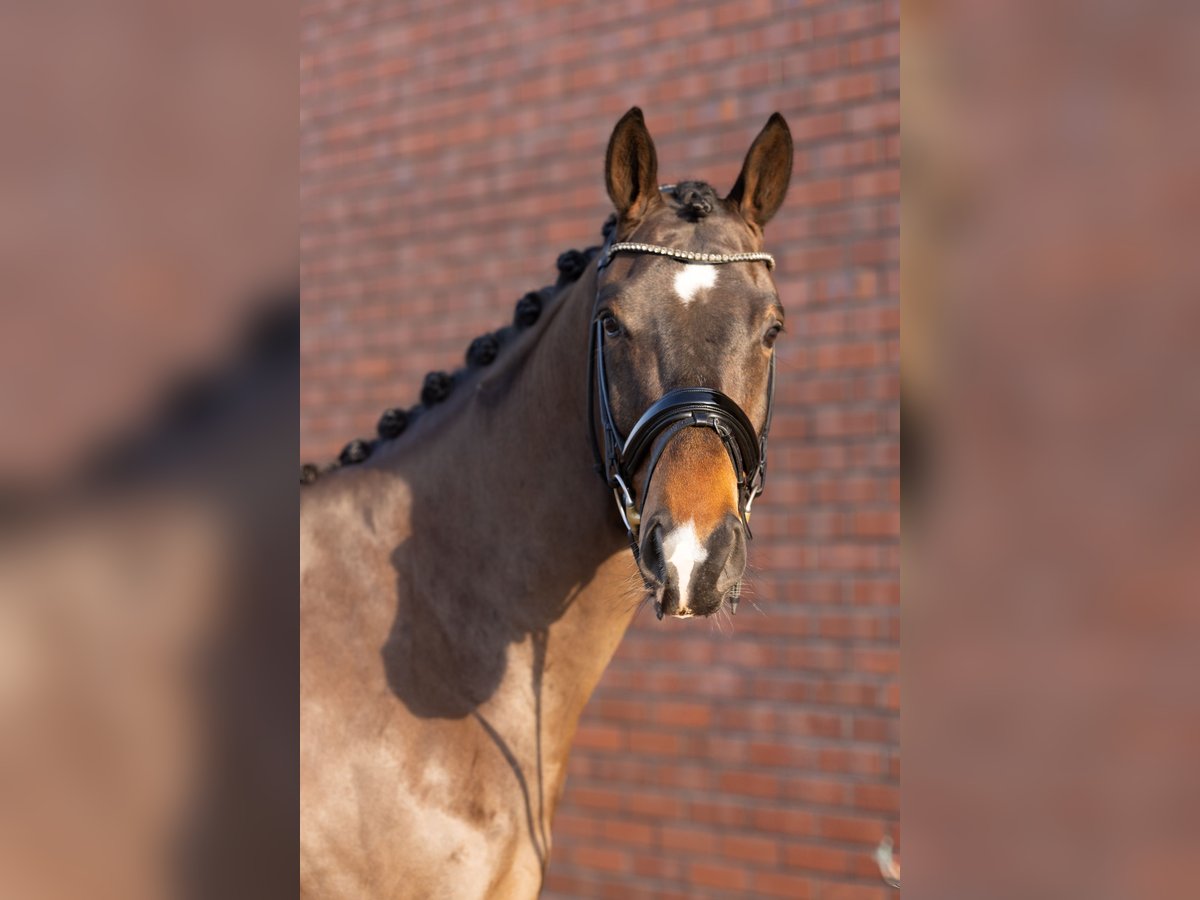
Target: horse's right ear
{"x": 761, "y": 186}
{"x": 631, "y": 167}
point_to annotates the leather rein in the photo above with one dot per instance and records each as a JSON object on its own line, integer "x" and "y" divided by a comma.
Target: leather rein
{"x": 689, "y": 407}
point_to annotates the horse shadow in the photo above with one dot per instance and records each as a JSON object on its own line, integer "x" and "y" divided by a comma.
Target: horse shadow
{"x": 447, "y": 652}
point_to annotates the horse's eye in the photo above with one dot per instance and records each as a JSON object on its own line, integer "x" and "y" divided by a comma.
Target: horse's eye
{"x": 612, "y": 328}
{"x": 772, "y": 334}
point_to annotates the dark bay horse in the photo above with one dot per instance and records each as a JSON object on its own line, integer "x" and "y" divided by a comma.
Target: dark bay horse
{"x": 465, "y": 583}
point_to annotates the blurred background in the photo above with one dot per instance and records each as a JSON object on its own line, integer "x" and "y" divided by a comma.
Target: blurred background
{"x": 1052, "y": 430}
{"x": 148, "y": 388}
{"x": 449, "y": 151}
{"x": 148, "y": 382}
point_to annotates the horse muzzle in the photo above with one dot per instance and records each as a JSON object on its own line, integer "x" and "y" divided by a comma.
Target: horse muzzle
{"x": 692, "y": 574}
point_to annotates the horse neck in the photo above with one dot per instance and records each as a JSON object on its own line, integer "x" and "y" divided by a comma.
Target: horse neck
{"x": 568, "y": 557}
{"x": 538, "y": 563}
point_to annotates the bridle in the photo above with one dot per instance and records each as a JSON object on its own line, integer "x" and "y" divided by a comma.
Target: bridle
{"x": 691, "y": 407}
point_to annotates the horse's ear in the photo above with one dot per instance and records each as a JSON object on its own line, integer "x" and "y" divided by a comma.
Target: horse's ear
{"x": 761, "y": 187}
{"x": 631, "y": 167}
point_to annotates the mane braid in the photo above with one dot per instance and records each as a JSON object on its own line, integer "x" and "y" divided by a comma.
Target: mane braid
{"x": 483, "y": 351}
{"x": 697, "y": 199}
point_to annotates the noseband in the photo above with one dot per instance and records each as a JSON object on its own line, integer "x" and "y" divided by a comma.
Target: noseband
{"x": 691, "y": 407}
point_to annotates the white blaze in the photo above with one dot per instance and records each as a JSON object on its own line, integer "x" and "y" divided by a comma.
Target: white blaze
{"x": 691, "y": 279}
{"x": 683, "y": 550}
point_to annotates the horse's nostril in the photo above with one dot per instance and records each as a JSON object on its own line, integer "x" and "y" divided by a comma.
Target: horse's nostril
{"x": 732, "y": 549}
{"x": 652, "y": 553}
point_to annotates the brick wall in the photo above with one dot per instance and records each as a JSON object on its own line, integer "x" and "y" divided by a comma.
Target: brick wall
{"x": 777, "y": 771}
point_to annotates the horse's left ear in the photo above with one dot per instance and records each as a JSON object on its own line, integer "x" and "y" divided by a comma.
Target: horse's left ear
{"x": 631, "y": 167}
{"x": 763, "y": 184}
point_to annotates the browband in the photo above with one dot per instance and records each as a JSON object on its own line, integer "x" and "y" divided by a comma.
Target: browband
{"x": 693, "y": 256}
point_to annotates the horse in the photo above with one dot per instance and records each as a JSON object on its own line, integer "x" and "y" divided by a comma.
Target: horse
{"x": 465, "y": 578}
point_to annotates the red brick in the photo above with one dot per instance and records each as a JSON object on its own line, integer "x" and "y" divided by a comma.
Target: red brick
{"x": 819, "y": 791}
{"x": 658, "y": 743}
{"x": 750, "y": 849}
{"x": 684, "y": 715}
{"x": 875, "y": 729}
{"x": 772, "y": 754}
{"x": 786, "y": 821}
{"x": 597, "y": 799}
{"x": 657, "y": 866}
{"x": 817, "y": 858}
{"x": 819, "y": 193}
{"x": 567, "y": 823}
{"x": 726, "y": 814}
{"x": 654, "y": 806}
{"x": 754, "y": 784}
{"x": 599, "y": 737}
{"x": 777, "y": 884}
{"x": 624, "y": 831}
{"x": 692, "y": 840}
{"x": 855, "y": 892}
{"x": 882, "y": 183}
{"x": 851, "y": 760}
{"x": 877, "y": 797}
{"x": 569, "y": 885}
{"x": 602, "y": 858}
{"x": 735, "y": 12}
{"x": 877, "y": 660}
{"x": 614, "y": 709}
{"x": 852, "y": 830}
{"x": 718, "y": 875}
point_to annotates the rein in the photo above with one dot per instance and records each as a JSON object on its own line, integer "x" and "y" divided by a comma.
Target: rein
{"x": 691, "y": 407}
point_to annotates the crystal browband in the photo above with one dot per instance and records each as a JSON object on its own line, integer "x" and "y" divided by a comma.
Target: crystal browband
{"x": 688, "y": 255}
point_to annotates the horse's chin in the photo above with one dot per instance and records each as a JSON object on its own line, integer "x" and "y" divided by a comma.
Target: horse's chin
{"x": 702, "y": 612}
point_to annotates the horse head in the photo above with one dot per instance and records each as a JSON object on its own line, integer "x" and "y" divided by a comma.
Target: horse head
{"x": 684, "y": 327}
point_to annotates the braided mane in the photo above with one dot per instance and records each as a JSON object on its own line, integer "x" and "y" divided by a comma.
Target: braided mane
{"x": 481, "y": 352}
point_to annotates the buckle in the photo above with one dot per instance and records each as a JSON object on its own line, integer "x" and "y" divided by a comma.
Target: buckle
{"x": 626, "y": 507}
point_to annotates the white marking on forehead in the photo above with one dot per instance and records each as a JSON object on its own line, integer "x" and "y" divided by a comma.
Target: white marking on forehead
{"x": 691, "y": 279}
{"x": 683, "y": 550}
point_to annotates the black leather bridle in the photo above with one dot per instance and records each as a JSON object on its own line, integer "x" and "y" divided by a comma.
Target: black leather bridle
{"x": 692, "y": 407}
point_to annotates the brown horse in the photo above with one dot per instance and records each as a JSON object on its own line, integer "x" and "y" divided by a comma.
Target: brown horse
{"x": 464, "y": 585}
